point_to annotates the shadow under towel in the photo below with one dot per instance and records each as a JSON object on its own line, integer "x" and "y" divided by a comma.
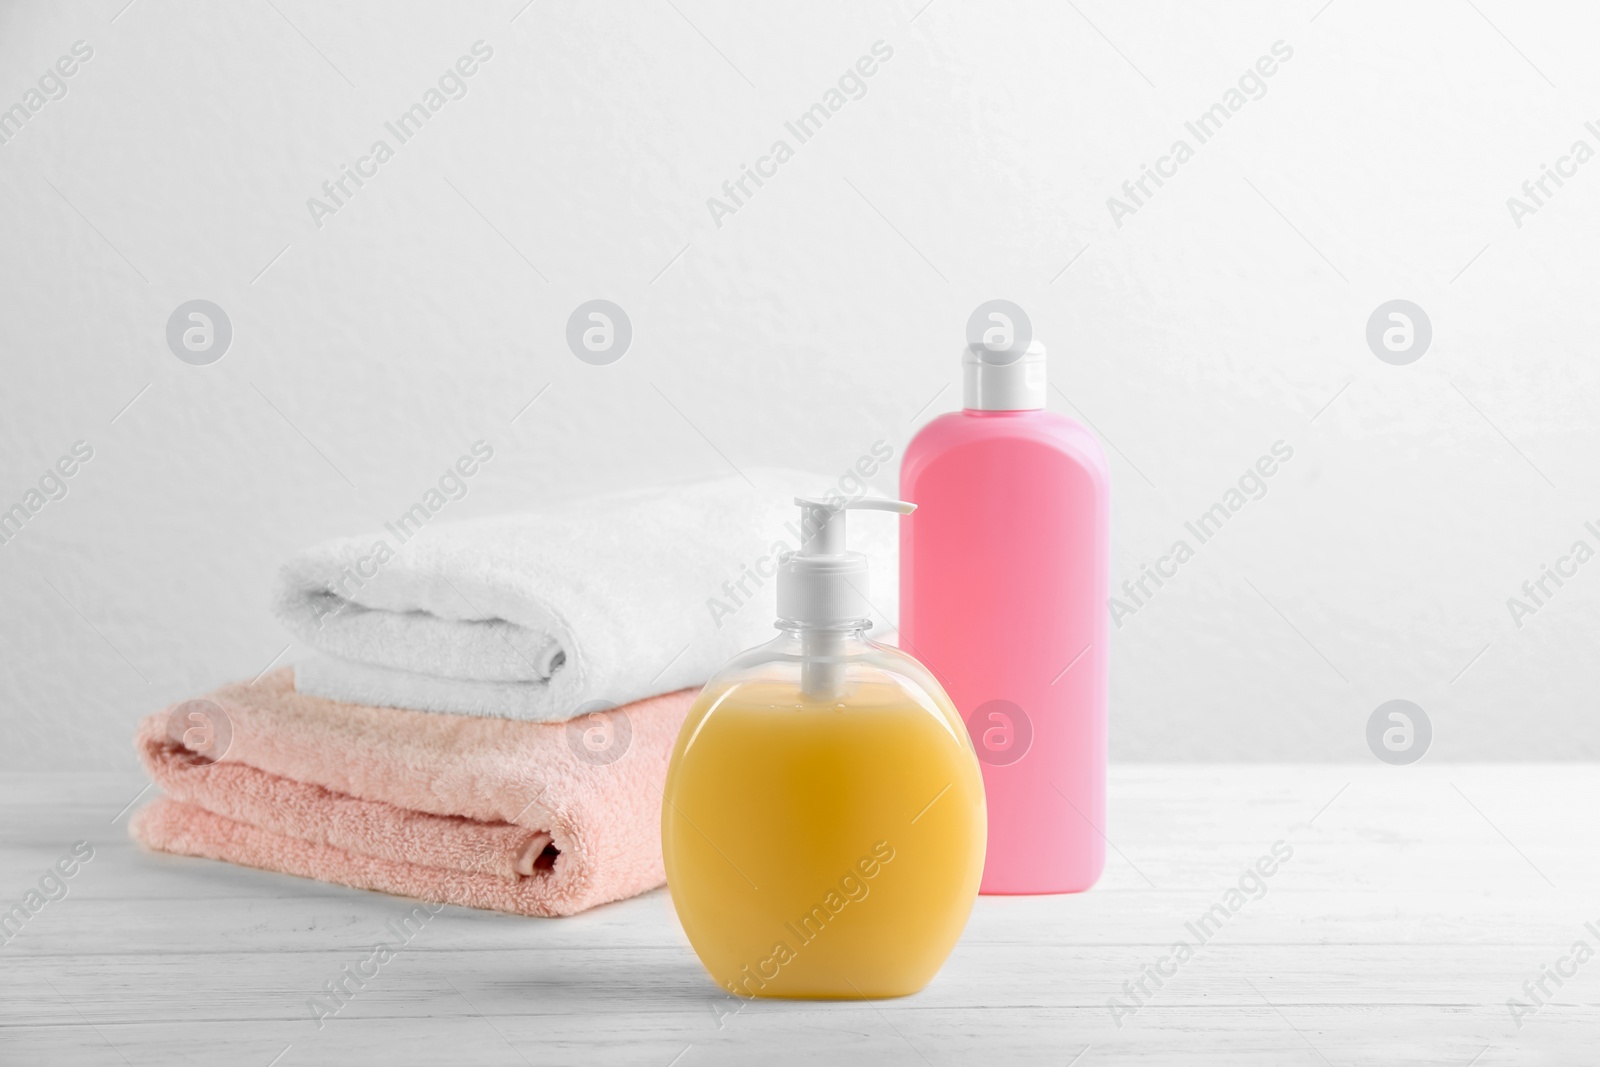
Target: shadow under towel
{"x": 530, "y": 818}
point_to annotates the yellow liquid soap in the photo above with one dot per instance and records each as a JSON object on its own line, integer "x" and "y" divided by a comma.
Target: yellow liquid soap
{"x": 826, "y": 845}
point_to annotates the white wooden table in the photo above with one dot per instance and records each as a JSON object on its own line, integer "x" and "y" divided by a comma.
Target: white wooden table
{"x": 1417, "y": 901}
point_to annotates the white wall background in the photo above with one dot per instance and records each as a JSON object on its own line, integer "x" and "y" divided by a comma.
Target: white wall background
{"x": 1222, "y": 317}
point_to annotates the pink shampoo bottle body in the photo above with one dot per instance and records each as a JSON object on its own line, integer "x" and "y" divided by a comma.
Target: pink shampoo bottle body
{"x": 1004, "y": 574}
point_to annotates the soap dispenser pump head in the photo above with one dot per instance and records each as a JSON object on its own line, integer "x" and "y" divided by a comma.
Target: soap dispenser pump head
{"x": 823, "y": 586}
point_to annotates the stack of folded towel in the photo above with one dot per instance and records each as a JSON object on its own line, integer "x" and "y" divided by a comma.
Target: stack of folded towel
{"x": 493, "y": 703}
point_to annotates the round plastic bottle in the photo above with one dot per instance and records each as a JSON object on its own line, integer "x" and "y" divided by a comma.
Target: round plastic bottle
{"x": 823, "y": 821}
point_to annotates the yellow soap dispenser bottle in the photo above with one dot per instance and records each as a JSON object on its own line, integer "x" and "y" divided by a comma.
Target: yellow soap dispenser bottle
{"x": 823, "y": 821}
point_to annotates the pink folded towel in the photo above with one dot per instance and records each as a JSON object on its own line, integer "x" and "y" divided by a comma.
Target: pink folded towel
{"x": 531, "y": 818}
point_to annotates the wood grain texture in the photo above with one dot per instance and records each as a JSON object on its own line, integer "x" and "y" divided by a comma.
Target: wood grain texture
{"x": 1417, "y": 901}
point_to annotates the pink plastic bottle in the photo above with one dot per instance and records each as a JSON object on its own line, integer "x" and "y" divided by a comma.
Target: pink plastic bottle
{"x": 1004, "y": 571}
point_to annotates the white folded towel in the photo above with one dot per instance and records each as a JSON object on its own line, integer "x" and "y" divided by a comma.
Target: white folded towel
{"x": 536, "y": 615}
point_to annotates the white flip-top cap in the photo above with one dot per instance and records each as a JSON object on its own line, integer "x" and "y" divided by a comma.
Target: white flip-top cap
{"x": 823, "y": 586}
{"x": 1003, "y": 381}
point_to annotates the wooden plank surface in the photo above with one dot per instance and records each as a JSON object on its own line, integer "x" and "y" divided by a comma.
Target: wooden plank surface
{"x": 1417, "y": 901}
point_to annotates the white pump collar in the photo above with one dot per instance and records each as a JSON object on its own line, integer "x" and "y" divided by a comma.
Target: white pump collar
{"x": 824, "y": 585}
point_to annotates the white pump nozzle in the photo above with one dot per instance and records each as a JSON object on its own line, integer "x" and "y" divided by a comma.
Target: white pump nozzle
{"x": 822, "y": 591}
{"x": 824, "y": 585}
